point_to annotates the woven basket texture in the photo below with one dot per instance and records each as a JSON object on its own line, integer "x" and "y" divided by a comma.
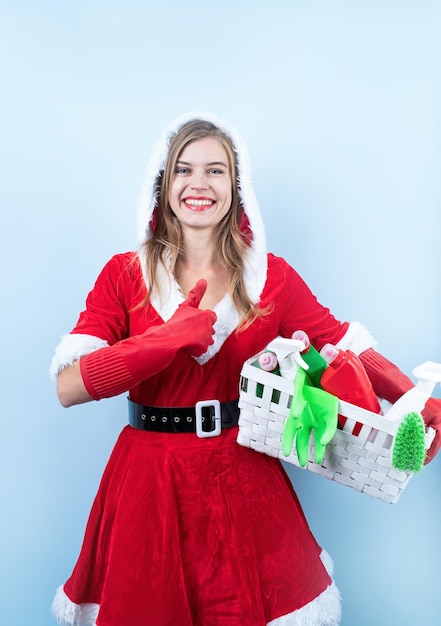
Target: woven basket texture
{"x": 361, "y": 462}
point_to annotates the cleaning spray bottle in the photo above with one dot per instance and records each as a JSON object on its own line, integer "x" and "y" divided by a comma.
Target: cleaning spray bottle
{"x": 346, "y": 378}
{"x": 428, "y": 374}
{"x": 268, "y": 362}
{"x": 288, "y": 355}
{"x": 316, "y": 363}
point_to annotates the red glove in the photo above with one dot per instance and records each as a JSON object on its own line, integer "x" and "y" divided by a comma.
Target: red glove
{"x": 390, "y": 383}
{"x": 432, "y": 418}
{"x": 113, "y": 370}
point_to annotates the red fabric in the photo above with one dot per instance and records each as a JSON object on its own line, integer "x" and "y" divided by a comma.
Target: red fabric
{"x": 196, "y": 533}
{"x": 387, "y": 379}
{"x": 113, "y": 370}
{"x": 187, "y": 531}
{"x": 113, "y": 313}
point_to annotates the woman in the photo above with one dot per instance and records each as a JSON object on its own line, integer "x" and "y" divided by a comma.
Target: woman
{"x": 188, "y": 528}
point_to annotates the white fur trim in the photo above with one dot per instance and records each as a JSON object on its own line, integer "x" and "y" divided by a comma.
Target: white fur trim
{"x": 357, "y": 339}
{"x": 227, "y": 316}
{"x": 255, "y": 269}
{"x": 67, "y": 613}
{"x": 171, "y": 296}
{"x": 71, "y": 348}
{"x": 327, "y": 562}
{"x": 325, "y": 610}
{"x": 227, "y": 321}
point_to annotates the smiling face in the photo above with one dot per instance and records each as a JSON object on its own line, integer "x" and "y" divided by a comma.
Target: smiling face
{"x": 201, "y": 187}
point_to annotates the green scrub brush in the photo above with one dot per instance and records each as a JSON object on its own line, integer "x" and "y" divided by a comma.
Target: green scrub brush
{"x": 409, "y": 449}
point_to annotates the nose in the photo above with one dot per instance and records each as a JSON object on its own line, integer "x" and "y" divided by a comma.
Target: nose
{"x": 199, "y": 180}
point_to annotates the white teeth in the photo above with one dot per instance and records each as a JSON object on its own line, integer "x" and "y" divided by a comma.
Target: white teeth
{"x": 194, "y": 202}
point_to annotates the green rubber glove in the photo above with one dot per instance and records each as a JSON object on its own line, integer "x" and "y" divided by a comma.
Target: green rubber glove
{"x": 311, "y": 409}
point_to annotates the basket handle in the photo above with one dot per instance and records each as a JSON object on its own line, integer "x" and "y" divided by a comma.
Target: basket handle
{"x": 428, "y": 374}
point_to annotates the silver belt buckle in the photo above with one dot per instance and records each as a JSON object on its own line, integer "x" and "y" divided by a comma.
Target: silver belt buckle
{"x": 203, "y": 434}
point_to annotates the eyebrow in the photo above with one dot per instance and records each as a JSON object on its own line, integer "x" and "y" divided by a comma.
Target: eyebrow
{"x": 208, "y": 164}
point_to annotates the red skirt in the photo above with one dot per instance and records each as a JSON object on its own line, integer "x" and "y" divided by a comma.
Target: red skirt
{"x": 196, "y": 532}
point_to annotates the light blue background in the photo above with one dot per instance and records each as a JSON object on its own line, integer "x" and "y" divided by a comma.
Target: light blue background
{"x": 340, "y": 104}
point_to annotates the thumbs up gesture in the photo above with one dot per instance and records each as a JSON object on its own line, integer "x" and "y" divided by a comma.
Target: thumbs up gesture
{"x": 190, "y": 328}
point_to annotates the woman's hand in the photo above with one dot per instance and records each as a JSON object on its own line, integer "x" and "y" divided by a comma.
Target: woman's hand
{"x": 190, "y": 328}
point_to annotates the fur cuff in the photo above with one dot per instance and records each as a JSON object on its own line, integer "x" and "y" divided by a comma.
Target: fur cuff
{"x": 357, "y": 339}
{"x": 67, "y": 613}
{"x": 70, "y": 349}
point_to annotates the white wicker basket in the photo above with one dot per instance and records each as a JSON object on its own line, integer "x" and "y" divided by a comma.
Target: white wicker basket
{"x": 362, "y": 462}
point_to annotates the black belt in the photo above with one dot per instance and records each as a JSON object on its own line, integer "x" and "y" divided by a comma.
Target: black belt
{"x": 206, "y": 418}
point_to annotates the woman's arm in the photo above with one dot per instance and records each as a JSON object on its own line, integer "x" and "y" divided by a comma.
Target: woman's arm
{"x": 70, "y": 386}
{"x": 115, "y": 369}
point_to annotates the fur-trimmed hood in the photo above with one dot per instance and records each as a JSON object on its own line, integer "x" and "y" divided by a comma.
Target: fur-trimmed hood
{"x": 157, "y": 161}
{"x": 256, "y": 261}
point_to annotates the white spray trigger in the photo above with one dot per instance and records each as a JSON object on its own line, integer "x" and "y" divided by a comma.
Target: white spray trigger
{"x": 428, "y": 374}
{"x": 428, "y": 371}
{"x": 284, "y": 347}
{"x": 300, "y": 361}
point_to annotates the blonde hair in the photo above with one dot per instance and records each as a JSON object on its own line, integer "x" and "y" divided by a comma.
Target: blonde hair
{"x": 165, "y": 243}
